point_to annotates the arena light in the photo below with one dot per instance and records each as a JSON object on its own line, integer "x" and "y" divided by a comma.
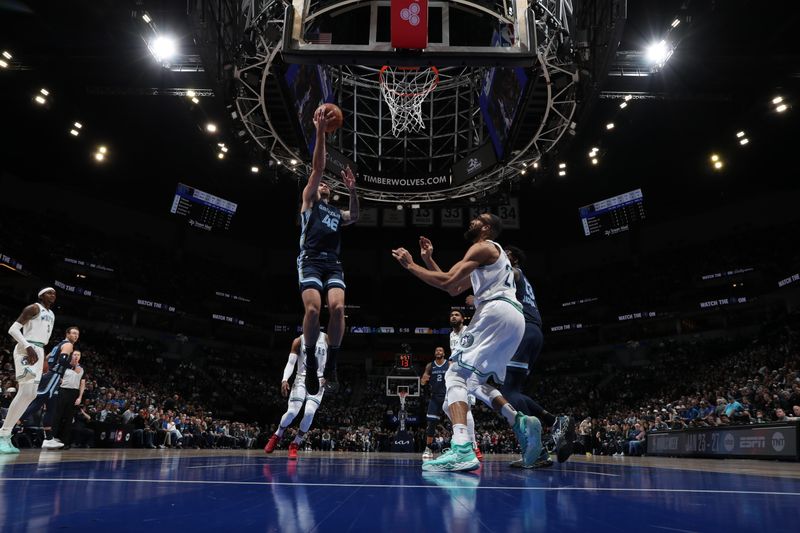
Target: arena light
{"x": 44, "y": 92}
{"x": 102, "y": 149}
{"x": 781, "y": 108}
{"x": 744, "y": 140}
{"x": 293, "y": 161}
{"x": 78, "y": 125}
{"x": 163, "y": 48}
{"x": 777, "y": 100}
{"x": 594, "y": 161}
{"x": 414, "y": 206}
{"x": 211, "y": 127}
{"x": 714, "y": 158}
{"x": 718, "y": 165}
{"x": 610, "y": 126}
{"x": 3, "y": 64}
{"x": 146, "y": 18}
{"x": 562, "y": 165}
{"x": 195, "y": 100}
{"x": 399, "y": 207}
{"x": 190, "y": 93}
{"x": 623, "y": 105}
{"x": 224, "y": 149}
{"x": 221, "y": 155}
{"x": 40, "y": 99}
{"x": 628, "y": 97}
{"x": 7, "y": 55}
{"x": 659, "y": 53}
{"x": 739, "y": 135}
{"x": 99, "y": 157}
{"x": 562, "y": 173}
{"x": 74, "y": 132}
{"x": 254, "y": 169}
{"x": 675, "y": 23}
{"x": 535, "y": 164}
{"x": 522, "y": 171}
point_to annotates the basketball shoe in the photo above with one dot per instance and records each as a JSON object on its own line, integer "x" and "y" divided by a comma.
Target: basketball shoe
{"x": 543, "y": 461}
{"x": 528, "y": 430}
{"x": 427, "y": 455}
{"x": 459, "y": 458}
{"x": 293, "y": 451}
{"x": 478, "y": 453}
{"x": 6, "y": 446}
{"x": 273, "y": 441}
{"x": 564, "y": 437}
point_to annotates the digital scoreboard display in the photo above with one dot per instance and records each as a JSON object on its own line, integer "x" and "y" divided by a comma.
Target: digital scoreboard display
{"x": 203, "y": 210}
{"x": 613, "y": 215}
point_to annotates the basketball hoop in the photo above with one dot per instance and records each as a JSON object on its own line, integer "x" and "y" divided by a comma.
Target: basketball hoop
{"x": 402, "y": 394}
{"x": 404, "y": 89}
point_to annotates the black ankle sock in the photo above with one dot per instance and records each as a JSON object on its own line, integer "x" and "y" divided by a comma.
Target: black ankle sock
{"x": 330, "y": 364}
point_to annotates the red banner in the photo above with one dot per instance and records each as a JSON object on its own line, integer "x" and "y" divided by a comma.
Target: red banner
{"x": 410, "y": 24}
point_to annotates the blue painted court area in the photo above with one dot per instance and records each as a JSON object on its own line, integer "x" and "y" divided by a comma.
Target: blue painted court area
{"x": 123, "y": 491}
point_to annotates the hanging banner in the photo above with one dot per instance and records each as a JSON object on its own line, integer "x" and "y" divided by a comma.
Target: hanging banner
{"x": 368, "y": 217}
{"x": 452, "y": 217}
{"x": 394, "y": 218}
{"x": 422, "y": 216}
{"x": 509, "y": 214}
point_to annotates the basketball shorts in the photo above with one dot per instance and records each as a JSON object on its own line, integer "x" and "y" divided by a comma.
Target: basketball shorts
{"x": 319, "y": 270}
{"x": 435, "y": 411}
{"x": 490, "y": 340}
{"x": 299, "y": 394}
{"x": 529, "y": 349}
{"x": 26, "y": 372}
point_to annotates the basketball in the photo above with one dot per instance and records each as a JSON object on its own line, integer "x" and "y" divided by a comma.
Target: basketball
{"x": 336, "y": 122}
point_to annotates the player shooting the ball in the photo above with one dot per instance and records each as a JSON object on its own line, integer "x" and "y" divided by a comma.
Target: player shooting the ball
{"x": 318, "y": 265}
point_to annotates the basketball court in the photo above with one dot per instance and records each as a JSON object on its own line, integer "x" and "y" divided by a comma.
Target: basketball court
{"x": 131, "y": 490}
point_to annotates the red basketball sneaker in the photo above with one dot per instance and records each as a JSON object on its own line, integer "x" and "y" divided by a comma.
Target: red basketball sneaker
{"x": 273, "y": 441}
{"x": 293, "y": 451}
{"x": 478, "y": 453}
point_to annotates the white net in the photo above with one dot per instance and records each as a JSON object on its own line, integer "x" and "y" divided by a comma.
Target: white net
{"x": 404, "y": 89}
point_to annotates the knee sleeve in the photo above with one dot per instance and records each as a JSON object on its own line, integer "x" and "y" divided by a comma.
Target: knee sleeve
{"x": 456, "y": 387}
{"x": 308, "y": 416}
{"x": 291, "y": 412}
{"x": 486, "y": 394}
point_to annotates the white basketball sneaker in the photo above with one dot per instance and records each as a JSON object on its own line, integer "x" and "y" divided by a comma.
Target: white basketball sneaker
{"x": 427, "y": 455}
{"x": 51, "y": 444}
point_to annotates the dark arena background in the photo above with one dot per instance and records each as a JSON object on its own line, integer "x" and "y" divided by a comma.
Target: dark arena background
{"x": 641, "y": 154}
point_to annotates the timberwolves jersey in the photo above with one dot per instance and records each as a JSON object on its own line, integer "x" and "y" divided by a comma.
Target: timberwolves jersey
{"x": 320, "y": 228}
{"x": 57, "y": 363}
{"x": 38, "y": 329}
{"x": 322, "y": 356}
{"x": 438, "y": 388}
{"x": 528, "y": 300}
{"x": 495, "y": 281}
{"x": 455, "y": 338}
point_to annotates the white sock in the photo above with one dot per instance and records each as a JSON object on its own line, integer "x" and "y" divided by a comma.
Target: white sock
{"x": 471, "y": 428}
{"x": 460, "y": 434}
{"x": 25, "y": 395}
{"x": 298, "y": 439}
{"x": 509, "y": 413}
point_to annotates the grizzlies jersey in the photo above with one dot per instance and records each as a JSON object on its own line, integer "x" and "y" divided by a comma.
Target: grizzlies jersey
{"x": 495, "y": 281}
{"x": 39, "y": 328}
{"x": 438, "y": 387}
{"x": 526, "y": 297}
{"x": 320, "y": 228}
{"x": 57, "y": 363}
{"x": 322, "y": 356}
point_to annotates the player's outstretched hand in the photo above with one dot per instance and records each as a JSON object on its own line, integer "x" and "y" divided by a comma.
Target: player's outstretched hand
{"x": 403, "y": 257}
{"x": 349, "y": 178}
{"x": 425, "y": 248}
{"x": 285, "y": 388}
{"x": 321, "y": 119}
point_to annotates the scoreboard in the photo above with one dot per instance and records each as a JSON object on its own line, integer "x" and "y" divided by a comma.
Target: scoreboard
{"x": 613, "y": 215}
{"x": 203, "y": 210}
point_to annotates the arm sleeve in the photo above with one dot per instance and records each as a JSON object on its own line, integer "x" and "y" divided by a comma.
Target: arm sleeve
{"x": 16, "y": 333}
{"x": 287, "y": 372}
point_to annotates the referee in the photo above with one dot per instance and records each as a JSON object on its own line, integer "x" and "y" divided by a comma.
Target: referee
{"x": 69, "y": 395}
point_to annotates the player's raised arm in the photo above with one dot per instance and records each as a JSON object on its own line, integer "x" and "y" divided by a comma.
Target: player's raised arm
{"x": 426, "y": 252}
{"x": 318, "y": 160}
{"x": 351, "y": 215}
{"x": 452, "y": 281}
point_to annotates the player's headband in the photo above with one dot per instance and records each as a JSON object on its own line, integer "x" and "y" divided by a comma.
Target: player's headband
{"x": 46, "y": 289}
